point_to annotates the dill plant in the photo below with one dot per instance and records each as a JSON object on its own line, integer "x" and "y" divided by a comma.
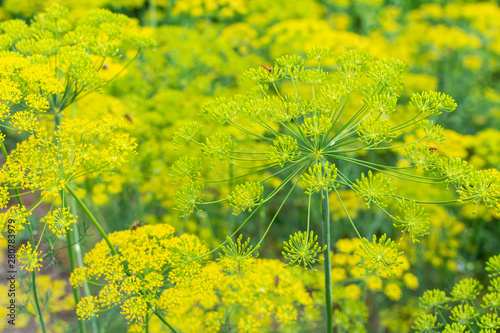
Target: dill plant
{"x": 46, "y": 66}
{"x": 309, "y": 136}
{"x": 465, "y": 308}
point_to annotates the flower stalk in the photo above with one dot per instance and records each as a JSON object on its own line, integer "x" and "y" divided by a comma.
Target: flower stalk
{"x": 327, "y": 261}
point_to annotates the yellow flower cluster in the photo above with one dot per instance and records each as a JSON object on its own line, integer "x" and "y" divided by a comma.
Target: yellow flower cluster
{"x": 25, "y": 84}
{"x": 155, "y": 271}
{"x": 151, "y": 267}
{"x": 347, "y": 265}
{"x": 59, "y": 220}
{"x": 204, "y": 8}
{"x": 78, "y": 149}
{"x": 269, "y": 298}
{"x": 353, "y": 283}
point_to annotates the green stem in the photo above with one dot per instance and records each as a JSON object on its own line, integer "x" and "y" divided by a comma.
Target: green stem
{"x": 153, "y": 18}
{"x": 327, "y": 263}
{"x": 74, "y": 245}
{"x": 73, "y": 265}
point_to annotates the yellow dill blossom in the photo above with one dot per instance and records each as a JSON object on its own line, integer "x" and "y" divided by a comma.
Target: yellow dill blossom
{"x": 381, "y": 255}
{"x": 28, "y": 257}
{"x": 237, "y": 256}
{"x": 374, "y": 283}
{"x": 186, "y": 257}
{"x": 352, "y": 292}
{"x": 302, "y": 249}
{"x": 209, "y": 8}
{"x": 87, "y": 308}
{"x": 18, "y": 214}
{"x": 403, "y": 265}
{"x": 339, "y": 259}
{"x": 338, "y": 274}
{"x": 134, "y": 309}
{"x": 345, "y": 245}
{"x": 24, "y": 121}
{"x": 353, "y": 260}
{"x": 393, "y": 291}
{"x": 286, "y": 314}
{"x": 357, "y": 271}
{"x": 100, "y": 196}
{"x": 240, "y": 36}
{"x": 341, "y": 21}
{"x": 314, "y": 124}
{"x": 80, "y": 148}
{"x": 287, "y": 37}
{"x": 456, "y": 144}
{"x": 59, "y": 220}
{"x": 486, "y": 145}
{"x": 419, "y": 82}
{"x": 270, "y": 297}
{"x": 4, "y": 196}
{"x": 410, "y": 280}
{"x": 150, "y": 264}
{"x": 55, "y": 62}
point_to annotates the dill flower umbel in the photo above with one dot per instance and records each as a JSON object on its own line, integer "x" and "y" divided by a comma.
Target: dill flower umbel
{"x": 29, "y": 257}
{"x": 151, "y": 272}
{"x": 55, "y": 63}
{"x": 78, "y": 149}
{"x": 59, "y": 220}
{"x": 46, "y": 65}
{"x": 268, "y": 298}
{"x": 313, "y": 127}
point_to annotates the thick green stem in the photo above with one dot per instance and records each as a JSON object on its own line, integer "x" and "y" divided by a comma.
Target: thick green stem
{"x": 153, "y": 17}
{"x": 79, "y": 260}
{"x": 327, "y": 263}
{"x": 72, "y": 264}
{"x": 73, "y": 237}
